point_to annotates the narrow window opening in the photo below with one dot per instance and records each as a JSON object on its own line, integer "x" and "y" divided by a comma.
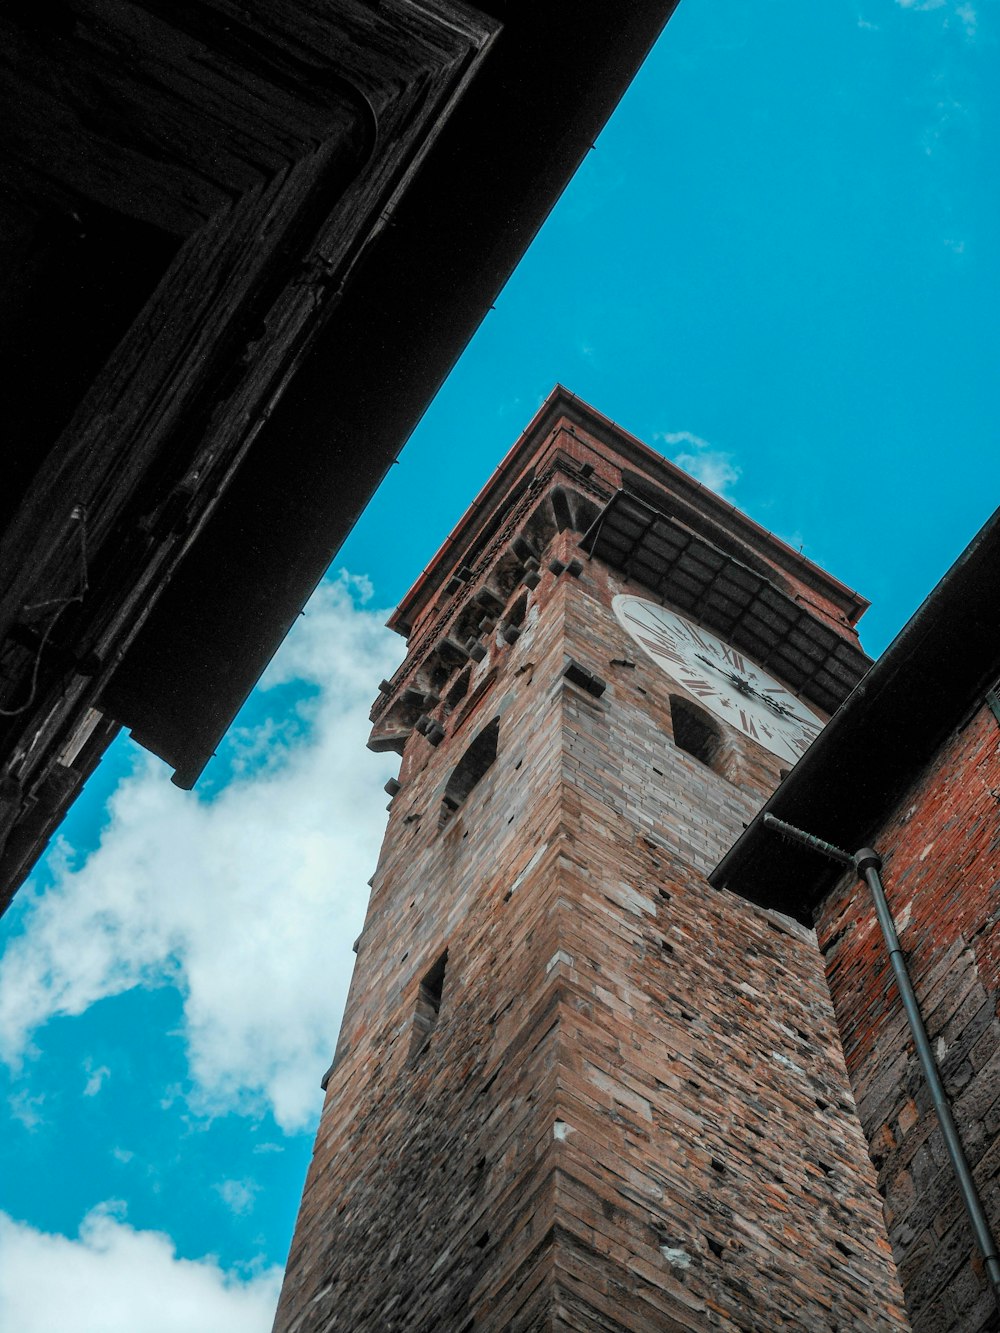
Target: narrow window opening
{"x": 515, "y": 616}
{"x": 428, "y": 1008}
{"x": 470, "y": 704}
{"x": 510, "y": 626}
{"x": 696, "y": 733}
{"x": 470, "y": 768}
{"x": 458, "y": 691}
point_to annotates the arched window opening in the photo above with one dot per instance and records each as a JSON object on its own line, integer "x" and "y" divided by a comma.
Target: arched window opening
{"x": 470, "y": 768}
{"x": 697, "y": 733}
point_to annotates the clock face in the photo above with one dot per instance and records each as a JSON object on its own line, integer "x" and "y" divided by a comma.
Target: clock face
{"x": 723, "y": 680}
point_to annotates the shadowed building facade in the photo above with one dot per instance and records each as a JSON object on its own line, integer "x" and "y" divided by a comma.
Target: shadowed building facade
{"x": 576, "y": 1087}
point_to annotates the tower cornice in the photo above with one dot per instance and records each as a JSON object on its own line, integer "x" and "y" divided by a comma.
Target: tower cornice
{"x": 611, "y": 453}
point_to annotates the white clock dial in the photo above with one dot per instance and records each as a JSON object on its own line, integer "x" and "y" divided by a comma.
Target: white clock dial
{"x": 723, "y": 680}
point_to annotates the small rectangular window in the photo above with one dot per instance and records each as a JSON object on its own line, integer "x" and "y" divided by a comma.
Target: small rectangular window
{"x": 428, "y": 1005}
{"x": 696, "y": 732}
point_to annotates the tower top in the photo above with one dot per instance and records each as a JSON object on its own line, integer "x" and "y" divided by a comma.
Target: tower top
{"x": 595, "y": 453}
{"x": 576, "y": 475}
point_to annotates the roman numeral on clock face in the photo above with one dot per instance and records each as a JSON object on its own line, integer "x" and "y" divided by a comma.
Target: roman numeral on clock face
{"x": 698, "y": 686}
{"x": 696, "y": 638}
{"x": 748, "y": 724}
{"x": 732, "y": 658}
{"x": 662, "y": 647}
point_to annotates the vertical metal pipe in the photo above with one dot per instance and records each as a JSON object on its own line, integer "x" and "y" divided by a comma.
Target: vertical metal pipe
{"x": 869, "y": 863}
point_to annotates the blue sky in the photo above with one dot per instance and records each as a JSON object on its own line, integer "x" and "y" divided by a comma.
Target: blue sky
{"x": 779, "y": 266}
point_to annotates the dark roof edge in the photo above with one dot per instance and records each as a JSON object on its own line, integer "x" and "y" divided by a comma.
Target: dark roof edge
{"x": 941, "y": 661}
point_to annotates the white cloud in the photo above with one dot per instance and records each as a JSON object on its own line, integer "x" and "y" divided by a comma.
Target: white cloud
{"x": 249, "y": 901}
{"x": 25, "y": 1109}
{"x": 964, "y": 12}
{"x": 238, "y": 1195}
{"x": 714, "y": 468}
{"x": 114, "y": 1279}
{"x": 96, "y": 1078}
{"x": 968, "y": 17}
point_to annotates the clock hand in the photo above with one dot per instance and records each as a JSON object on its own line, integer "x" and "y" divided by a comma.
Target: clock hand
{"x": 744, "y": 687}
{"x": 781, "y": 709}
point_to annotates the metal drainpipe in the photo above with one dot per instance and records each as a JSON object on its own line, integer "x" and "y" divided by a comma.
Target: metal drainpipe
{"x": 867, "y": 863}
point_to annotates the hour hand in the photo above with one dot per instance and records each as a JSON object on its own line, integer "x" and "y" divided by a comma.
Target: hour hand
{"x": 781, "y": 709}
{"x": 742, "y": 685}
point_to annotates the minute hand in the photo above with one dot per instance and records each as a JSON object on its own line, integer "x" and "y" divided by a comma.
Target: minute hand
{"x": 745, "y": 688}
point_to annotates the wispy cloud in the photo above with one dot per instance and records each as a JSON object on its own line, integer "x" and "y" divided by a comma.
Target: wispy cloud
{"x": 115, "y": 1279}
{"x": 95, "y": 1078}
{"x": 247, "y": 902}
{"x": 27, "y": 1110}
{"x": 238, "y": 1195}
{"x": 968, "y": 17}
{"x": 714, "y": 468}
{"x": 962, "y": 13}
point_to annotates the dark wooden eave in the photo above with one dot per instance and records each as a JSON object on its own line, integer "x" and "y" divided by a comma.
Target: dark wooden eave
{"x": 930, "y": 678}
{"x": 494, "y": 172}
{"x": 743, "y": 604}
{"x": 302, "y": 288}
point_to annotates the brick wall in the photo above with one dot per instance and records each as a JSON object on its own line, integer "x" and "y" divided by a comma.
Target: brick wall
{"x": 942, "y": 878}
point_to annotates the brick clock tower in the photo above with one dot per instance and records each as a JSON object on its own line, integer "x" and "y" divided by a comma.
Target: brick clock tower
{"x": 576, "y": 1087}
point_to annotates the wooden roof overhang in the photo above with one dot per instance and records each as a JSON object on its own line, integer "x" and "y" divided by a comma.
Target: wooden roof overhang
{"x": 744, "y": 605}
